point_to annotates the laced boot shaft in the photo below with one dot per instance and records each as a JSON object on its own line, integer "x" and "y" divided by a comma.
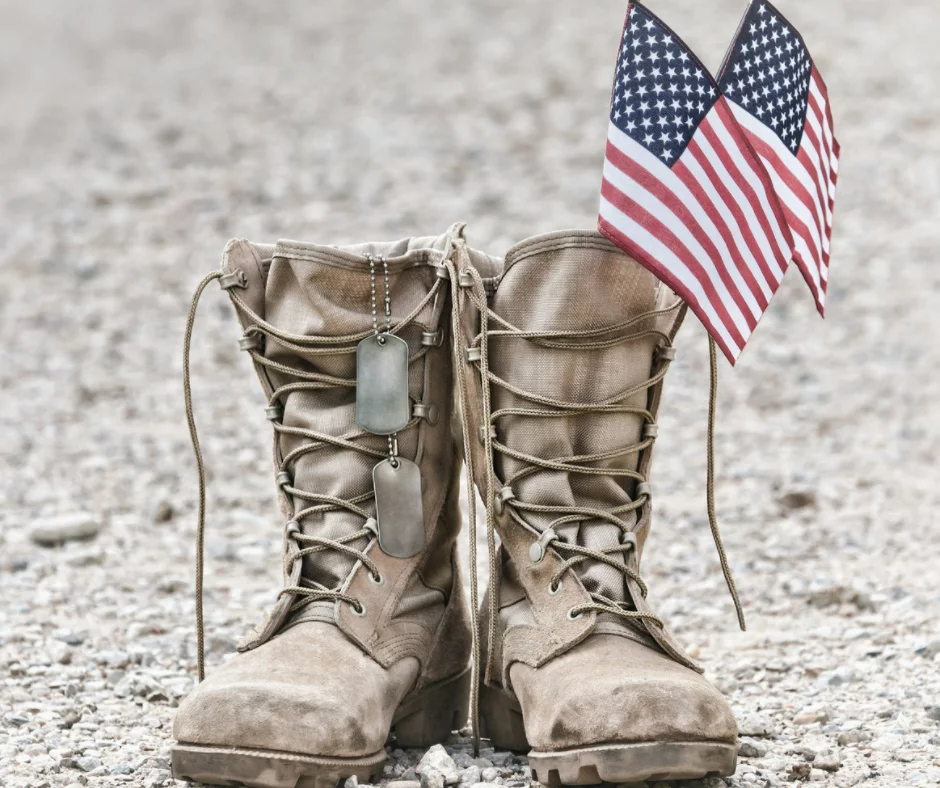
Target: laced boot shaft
{"x": 568, "y": 355}
{"x": 359, "y": 641}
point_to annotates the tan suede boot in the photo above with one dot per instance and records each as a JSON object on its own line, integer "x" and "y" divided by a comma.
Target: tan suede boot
{"x": 370, "y": 632}
{"x": 572, "y": 341}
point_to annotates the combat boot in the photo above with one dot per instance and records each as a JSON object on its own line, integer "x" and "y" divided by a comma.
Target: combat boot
{"x": 370, "y": 632}
{"x": 561, "y": 368}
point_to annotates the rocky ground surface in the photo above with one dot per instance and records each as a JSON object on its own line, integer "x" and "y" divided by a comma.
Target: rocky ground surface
{"x": 135, "y": 139}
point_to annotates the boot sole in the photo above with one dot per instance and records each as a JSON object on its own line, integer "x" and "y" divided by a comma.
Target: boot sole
{"x": 501, "y": 722}
{"x": 428, "y": 718}
{"x": 629, "y": 763}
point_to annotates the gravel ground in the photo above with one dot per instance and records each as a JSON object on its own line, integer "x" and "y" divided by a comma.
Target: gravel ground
{"x": 136, "y": 139}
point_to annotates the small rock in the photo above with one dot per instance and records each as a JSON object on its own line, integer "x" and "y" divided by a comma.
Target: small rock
{"x": 157, "y": 778}
{"x": 837, "y": 677}
{"x": 500, "y": 758}
{"x": 163, "y": 512}
{"x": 53, "y": 531}
{"x": 929, "y": 651}
{"x": 849, "y": 777}
{"x": 933, "y": 713}
{"x": 483, "y": 763}
{"x": 817, "y": 775}
{"x": 841, "y": 595}
{"x": 811, "y": 715}
{"x": 757, "y": 725}
{"x": 113, "y": 659}
{"x": 122, "y": 768}
{"x": 87, "y": 763}
{"x": 351, "y": 782}
{"x": 751, "y": 748}
{"x": 470, "y": 775}
{"x": 431, "y": 778}
{"x": 489, "y": 775}
{"x": 852, "y": 737}
{"x": 828, "y": 760}
{"x": 404, "y": 784}
{"x": 70, "y": 638}
{"x": 797, "y": 499}
{"x": 799, "y": 771}
{"x": 437, "y": 760}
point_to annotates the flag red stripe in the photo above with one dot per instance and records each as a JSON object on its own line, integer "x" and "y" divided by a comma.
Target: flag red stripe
{"x": 682, "y": 170}
{"x": 819, "y": 173}
{"x": 805, "y": 160}
{"x": 824, "y": 92}
{"x": 744, "y": 226}
{"x": 670, "y": 279}
{"x": 813, "y": 137}
{"x": 824, "y": 121}
{"x": 655, "y": 186}
{"x": 631, "y": 208}
{"x": 783, "y": 171}
{"x": 750, "y": 195}
{"x": 740, "y": 137}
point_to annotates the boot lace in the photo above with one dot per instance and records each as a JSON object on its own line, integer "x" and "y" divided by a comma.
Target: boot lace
{"x": 298, "y": 545}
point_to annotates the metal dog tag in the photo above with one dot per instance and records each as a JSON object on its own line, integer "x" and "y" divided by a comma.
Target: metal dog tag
{"x": 398, "y": 507}
{"x": 382, "y": 405}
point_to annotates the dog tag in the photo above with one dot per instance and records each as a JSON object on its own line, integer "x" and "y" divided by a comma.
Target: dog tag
{"x": 398, "y": 507}
{"x": 382, "y": 405}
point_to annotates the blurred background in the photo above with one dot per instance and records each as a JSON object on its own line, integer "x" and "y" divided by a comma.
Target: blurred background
{"x": 137, "y": 138}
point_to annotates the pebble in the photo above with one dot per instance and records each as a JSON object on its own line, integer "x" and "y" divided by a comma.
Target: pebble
{"x": 163, "y": 512}
{"x": 751, "y": 748}
{"x": 829, "y": 760}
{"x": 437, "y": 766}
{"x": 757, "y": 725}
{"x": 157, "y": 778}
{"x": 470, "y": 775}
{"x": 811, "y": 715}
{"x": 87, "y": 763}
{"x": 51, "y": 531}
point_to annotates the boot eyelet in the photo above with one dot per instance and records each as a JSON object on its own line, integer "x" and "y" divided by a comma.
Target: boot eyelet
{"x": 572, "y": 616}
{"x": 554, "y": 588}
{"x": 358, "y": 611}
{"x": 378, "y": 580}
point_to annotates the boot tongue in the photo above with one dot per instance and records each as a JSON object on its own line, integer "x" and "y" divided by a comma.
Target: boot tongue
{"x": 326, "y": 292}
{"x": 561, "y": 283}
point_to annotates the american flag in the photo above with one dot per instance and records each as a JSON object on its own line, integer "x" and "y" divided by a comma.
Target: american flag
{"x": 683, "y": 191}
{"x": 781, "y": 102}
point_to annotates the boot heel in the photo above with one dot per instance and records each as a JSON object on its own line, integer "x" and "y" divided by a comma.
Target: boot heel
{"x": 434, "y": 714}
{"x": 500, "y": 722}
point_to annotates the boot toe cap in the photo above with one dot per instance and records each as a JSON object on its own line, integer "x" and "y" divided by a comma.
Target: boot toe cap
{"x": 296, "y": 694}
{"x": 625, "y": 692}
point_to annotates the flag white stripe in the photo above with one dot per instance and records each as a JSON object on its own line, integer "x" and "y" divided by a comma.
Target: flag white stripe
{"x": 823, "y": 184}
{"x": 703, "y": 216}
{"x": 766, "y": 135}
{"x": 813, "y": 121}
{"x": 815, "y": 152}
{"x": 655, "y": 207}
{"x": 741, "y": 200}
{"x": 657, "y": 250}
{"x": 756, "y": 184}
{"x": 727, "y": 215}
{"x": 816, "y": 92}
{"x": 812, "y": 256}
